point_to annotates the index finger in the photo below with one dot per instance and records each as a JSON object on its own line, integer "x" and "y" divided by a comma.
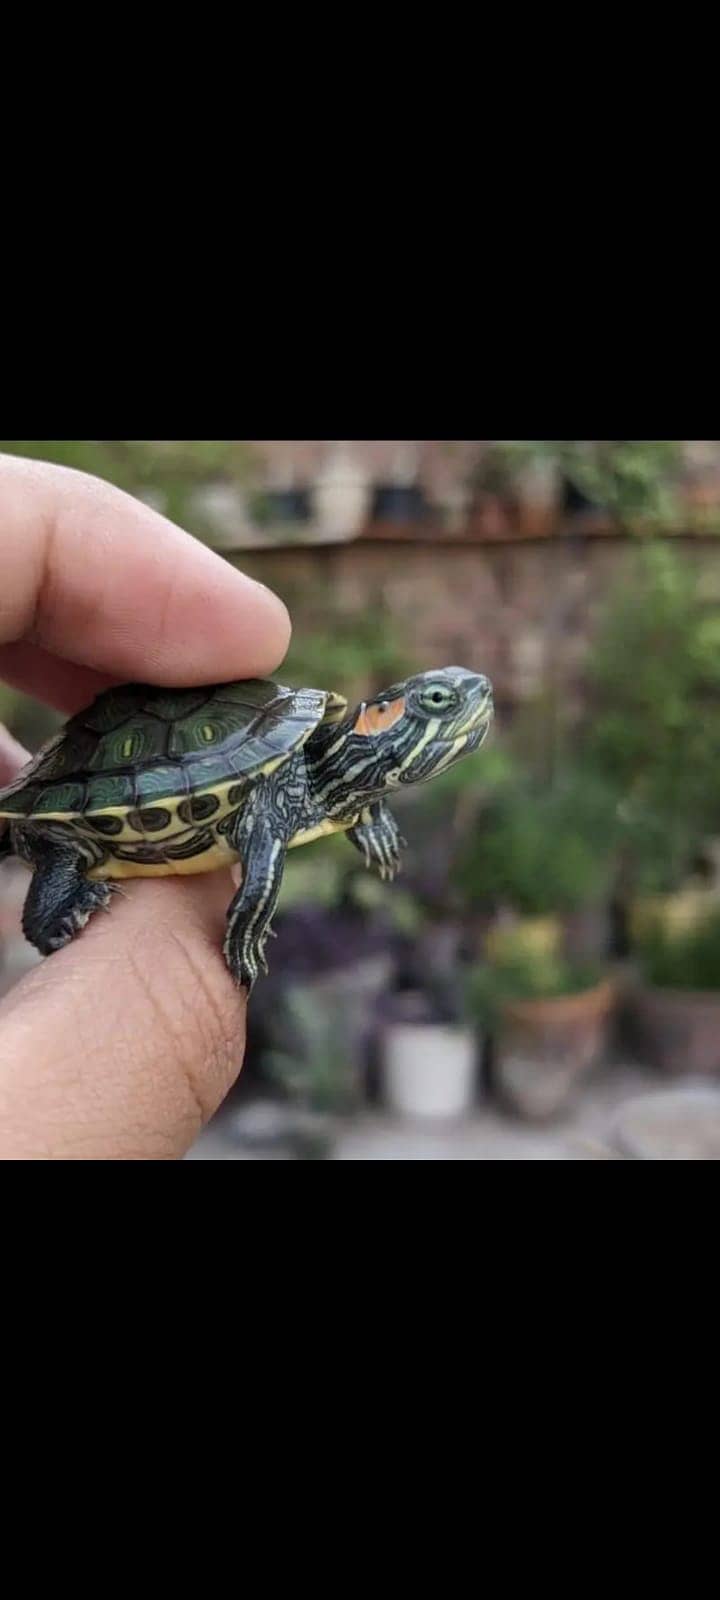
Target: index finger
{"x": 90, "y": 574}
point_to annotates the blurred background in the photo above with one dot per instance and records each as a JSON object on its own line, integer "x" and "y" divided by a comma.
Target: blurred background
{"x": 543, "y": 980}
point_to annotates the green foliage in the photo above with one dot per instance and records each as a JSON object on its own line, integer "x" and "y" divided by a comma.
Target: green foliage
{"x": 320, "y": 1074}
{"x": 134, "y": 462}
{"x": 655, "y": 730}
{"x": 545, "y": 850}
{"x": 542, "y": 977}
{"x": 315, "y": 872}
{"x": 688, "y": 960}
{"x": 631, "y": 478}
{"x": 354, "y": 652}
{"x": 168, "y": 470}
{"x": 30, "y": 721}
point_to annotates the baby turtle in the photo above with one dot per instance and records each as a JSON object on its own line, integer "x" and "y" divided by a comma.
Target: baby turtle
{"x": 150, "y": 781}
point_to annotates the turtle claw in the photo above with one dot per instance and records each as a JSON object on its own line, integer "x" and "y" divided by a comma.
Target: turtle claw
{"x": 72, "y": 916}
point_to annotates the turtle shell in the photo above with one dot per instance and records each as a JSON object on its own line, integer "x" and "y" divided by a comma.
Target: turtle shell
{"x": 139, "y": 745}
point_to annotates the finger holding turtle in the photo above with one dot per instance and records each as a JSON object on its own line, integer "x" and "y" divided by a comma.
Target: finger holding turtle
{"x": 122, "y": 1043}
{"x": 127, "y": 1038}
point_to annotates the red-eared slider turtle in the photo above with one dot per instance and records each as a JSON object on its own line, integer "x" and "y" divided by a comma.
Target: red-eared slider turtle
{"x": 149, "y": 781}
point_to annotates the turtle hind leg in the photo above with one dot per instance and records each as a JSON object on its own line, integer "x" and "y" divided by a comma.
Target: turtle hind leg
{"x": 261, "y": 849}
{"x": 377, "y": 836}
{"x": 60, "y": 899}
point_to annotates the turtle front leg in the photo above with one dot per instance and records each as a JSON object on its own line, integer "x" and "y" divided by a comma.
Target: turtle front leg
{"x": 60, "y": 899}
{"x": 261, "y": 849}
{"x": 377, "y": 836}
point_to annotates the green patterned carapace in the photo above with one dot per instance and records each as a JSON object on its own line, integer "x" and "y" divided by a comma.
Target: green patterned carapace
{"x": 151, "y": 781}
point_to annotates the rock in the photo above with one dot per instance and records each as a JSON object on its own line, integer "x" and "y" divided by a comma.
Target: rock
{"x": 681, "y": 1125}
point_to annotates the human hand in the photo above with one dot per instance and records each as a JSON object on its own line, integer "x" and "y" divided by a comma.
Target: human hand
{"x": 121, "y": 1045}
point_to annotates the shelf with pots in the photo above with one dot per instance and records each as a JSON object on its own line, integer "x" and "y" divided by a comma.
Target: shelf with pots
{"x": 514, "y": 491}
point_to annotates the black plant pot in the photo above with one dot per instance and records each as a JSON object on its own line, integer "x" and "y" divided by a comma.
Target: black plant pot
{"x": 575, "y": 502}
{"x": 287, "y": 505}
{"x": 396, "y": 502}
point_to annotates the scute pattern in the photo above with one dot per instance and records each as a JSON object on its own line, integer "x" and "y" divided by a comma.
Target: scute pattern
{"x": 199, "y": 808}
{"x": 208, "y": 729}
{"x": 60, "y": 797}
{"x": 111, "y": 790}
{"x": 151, "y": 819}
{"x": 106, "y": 823}
{"x": 111, "y": 709}
{"x": 139, "y": 744}
{"x": 157, "y": 782}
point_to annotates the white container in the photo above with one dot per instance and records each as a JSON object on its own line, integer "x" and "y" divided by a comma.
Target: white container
{"x": 428, "y": 1069}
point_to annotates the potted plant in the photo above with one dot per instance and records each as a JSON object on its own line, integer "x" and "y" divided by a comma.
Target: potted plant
{"x": 318, "y": 1073}
{"x": 516, "y": 490}
{"x": 400, "y": 499}
{"x": 341, "y": 954}
{"x": 429, "y": 1053}
{"x": 628, "y": 482}
{"x": 292, "y": 504}
{"x": 676, "y": 1008}
{"x": 545, "y": 858}
{"x": 492, "y": 507}
{"x": 547, "y": 1015}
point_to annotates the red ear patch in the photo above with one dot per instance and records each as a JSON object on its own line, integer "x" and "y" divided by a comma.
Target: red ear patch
{"x": 377, "y": 719}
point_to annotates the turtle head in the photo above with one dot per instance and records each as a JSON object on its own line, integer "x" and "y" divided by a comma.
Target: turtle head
{"x": 422, "y": 726}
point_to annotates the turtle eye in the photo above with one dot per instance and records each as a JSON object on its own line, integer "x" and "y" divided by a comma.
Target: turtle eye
{"x": 438, "y": 697}
{"x": 383, "y": 705}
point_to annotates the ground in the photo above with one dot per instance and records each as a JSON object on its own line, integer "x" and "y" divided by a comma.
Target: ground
{"x": 625, "y": 1111}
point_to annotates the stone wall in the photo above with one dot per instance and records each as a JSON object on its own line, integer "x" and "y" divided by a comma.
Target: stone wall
{"x": 519, "y": 611}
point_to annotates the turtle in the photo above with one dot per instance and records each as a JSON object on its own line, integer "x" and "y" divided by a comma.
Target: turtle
{"x": 149, "y": 781}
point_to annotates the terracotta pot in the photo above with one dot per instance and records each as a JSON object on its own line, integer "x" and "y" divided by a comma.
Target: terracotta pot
{"x": 490, "y": 518}
{"x": 543, "y": 1048}
{"x": 538, "y": 497}
{"x": 678, "y": 1030}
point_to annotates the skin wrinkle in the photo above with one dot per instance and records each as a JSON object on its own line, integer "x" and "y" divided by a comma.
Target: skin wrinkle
{"x": 204, "y": 1028}
{"x": 174, "y": 1032}
{"x": 224, "y": 1044}
{"x": 185, "y": 1038}
{"x": 41, "y": 599}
